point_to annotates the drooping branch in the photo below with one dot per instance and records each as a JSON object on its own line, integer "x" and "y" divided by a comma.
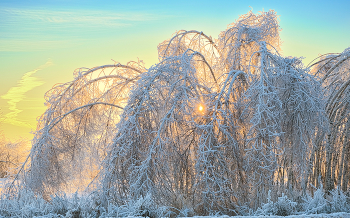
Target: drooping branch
{"x": 78, "y": 108}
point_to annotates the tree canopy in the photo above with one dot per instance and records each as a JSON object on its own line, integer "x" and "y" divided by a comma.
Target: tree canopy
{"x": 217, "y": 126}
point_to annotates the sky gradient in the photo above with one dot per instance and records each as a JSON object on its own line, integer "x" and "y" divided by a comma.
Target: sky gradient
{"x": 43, "y": 42}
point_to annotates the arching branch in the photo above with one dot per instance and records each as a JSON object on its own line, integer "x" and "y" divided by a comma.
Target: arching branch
{"x": 78, "y": 108}
{"x": 334, "y": 67}
{"x": 189, "y": 32}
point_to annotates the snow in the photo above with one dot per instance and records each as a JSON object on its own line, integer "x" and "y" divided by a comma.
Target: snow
{"x": 332, "y": 215}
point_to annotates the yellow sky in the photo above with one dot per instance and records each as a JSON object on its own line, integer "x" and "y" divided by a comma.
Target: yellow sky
{"x": 11, "y": 121}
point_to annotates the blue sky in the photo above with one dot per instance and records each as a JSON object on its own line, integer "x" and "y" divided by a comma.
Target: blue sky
{"x": 43, "y": 42}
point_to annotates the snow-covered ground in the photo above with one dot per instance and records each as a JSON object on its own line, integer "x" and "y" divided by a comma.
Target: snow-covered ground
{"x": 332, "y": 215}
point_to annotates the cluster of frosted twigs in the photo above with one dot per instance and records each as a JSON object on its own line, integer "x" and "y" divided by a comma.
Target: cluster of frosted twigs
{"x": 218, "y": 126}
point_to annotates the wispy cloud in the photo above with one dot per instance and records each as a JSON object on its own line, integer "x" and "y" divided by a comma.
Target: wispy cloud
{"x": 37, "y": 30}
{"x": 17, "y": 94}
{"x": 34, "y": 45}
{"x": 78, "y": 17}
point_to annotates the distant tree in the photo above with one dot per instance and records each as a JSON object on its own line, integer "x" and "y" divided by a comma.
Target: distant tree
{"x": 12, "y": 154}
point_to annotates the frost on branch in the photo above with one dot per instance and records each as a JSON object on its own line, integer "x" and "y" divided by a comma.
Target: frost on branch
{"x": 218, "y": 126}
{"x": 154, "y": 150}
{"x": 74, "y": 131}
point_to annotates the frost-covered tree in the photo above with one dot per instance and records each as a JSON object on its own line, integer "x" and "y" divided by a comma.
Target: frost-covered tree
{"x": 333, "y": 71}
{"x": 218, "y": 126}
{"x": 79, "y": 123}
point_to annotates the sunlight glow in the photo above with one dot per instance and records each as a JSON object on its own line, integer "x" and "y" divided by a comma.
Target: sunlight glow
{"x": 201, "y": 108}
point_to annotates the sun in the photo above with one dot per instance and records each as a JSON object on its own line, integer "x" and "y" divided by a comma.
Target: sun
{"x": 200, "y": 108}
